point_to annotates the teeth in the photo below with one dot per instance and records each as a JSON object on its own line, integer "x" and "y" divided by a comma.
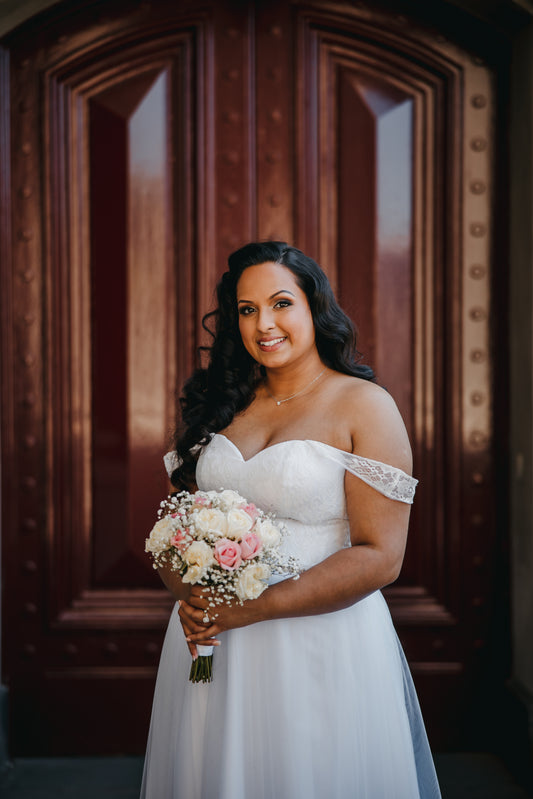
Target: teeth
{"x": 272, "y": 342}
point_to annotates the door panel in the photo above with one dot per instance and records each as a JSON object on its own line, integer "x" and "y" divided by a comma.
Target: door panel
{"x": 146, "y": 145}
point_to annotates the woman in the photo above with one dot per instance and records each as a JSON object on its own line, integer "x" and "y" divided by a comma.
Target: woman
{"x": 311, "y": 696}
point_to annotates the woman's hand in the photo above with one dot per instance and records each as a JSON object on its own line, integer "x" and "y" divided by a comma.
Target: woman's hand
{"x": 222, "y": 617}
{"x": 188, "y": 631}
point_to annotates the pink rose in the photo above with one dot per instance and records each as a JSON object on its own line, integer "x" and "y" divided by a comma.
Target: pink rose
{"x": 251, "y": 545}
{"x": 228, "y": 554}
{"x": 179, "y": 539}
{"x": 251, "y": 510}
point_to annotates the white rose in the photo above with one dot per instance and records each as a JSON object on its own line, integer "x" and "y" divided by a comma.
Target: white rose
{"x": 162, "y": 532}
{"x": 239, "y": 522}
{"x": 268, "y": 533}
{"x": 252, "y": 581}
{"x": 228, "y": 499}
{"x": 211, "y": 520}
{"x": 198, "y": 557}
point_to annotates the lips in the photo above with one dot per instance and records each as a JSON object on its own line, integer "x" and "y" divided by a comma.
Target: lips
{"x": 268, "y": 345}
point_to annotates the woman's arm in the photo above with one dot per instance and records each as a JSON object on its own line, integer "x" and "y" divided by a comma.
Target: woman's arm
{"x": 378, "y": 530}
{"x": 174, "y": 583}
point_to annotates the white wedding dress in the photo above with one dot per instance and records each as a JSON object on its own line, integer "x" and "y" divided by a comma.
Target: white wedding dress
{"x": 316, "y": 707}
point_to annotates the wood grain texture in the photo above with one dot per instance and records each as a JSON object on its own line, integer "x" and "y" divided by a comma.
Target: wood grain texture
{"x": 364, "y": 138}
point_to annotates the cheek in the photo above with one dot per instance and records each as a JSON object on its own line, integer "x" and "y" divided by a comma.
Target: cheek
{"x": 305, "y": 327}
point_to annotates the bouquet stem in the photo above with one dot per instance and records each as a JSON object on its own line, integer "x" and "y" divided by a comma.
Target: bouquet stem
{"x": 202, "y": 667}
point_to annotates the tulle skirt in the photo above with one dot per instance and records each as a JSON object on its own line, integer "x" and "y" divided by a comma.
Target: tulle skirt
{"x": 320, "y": 707}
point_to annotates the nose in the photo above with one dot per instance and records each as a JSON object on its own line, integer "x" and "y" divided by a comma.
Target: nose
{"x": 265, "y": 320}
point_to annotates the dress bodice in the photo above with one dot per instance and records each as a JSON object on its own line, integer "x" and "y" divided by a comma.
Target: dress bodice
{"x": 302, "y": 483}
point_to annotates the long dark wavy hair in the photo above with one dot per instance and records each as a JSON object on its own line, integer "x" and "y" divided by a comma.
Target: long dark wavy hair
{"x": 213, "y": 395}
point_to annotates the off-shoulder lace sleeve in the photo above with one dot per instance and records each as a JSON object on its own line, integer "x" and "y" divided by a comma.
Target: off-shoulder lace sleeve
{"x": 171, "y": 461}
{"x": 388, "y": 480}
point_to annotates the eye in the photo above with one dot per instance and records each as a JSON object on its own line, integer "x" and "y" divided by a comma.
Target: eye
{"x": 246, "y": 310}
{"x": 283, "y": 304}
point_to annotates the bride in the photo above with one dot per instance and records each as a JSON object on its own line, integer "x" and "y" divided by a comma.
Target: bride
{"x": 311, "y": 695}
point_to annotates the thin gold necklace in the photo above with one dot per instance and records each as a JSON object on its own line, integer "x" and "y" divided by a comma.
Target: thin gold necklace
{"x": 292, "y": 396}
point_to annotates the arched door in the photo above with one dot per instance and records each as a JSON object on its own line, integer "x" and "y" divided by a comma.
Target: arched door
{"x": 146, "y": 142}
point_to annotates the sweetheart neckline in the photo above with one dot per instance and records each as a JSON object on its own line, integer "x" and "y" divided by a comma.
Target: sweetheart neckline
{"x": 287, "y": 441}
{"x": 310, "y": 441}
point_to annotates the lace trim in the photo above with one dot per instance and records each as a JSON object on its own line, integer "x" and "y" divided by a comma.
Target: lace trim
{"x": 388, "y": 480}
{"x": 171, "y": 461}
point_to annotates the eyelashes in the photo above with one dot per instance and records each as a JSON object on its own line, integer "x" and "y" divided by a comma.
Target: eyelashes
{"x": 246, "y": 310}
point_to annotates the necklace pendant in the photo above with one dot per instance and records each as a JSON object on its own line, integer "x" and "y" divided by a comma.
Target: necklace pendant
{"x": 277, "y": 402}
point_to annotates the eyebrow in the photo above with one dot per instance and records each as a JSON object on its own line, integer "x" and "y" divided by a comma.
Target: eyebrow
{"x": 282, "y": 291}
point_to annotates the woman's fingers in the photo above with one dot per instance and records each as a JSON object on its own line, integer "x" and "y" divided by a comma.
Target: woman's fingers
{"x": 196, "y": 630}
{"x": 206, "y": 637}
{"x": 197, "y": 617}
{"x": 192, "y": 646}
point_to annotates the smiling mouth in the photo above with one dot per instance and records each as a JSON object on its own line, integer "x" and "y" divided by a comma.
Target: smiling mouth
{"x": 272, "y": 342}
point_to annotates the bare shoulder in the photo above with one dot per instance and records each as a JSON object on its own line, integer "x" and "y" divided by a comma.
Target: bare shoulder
{"x": 376, "y": 426}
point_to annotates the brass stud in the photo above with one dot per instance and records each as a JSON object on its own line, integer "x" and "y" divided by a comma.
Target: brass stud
{"x": 276, "y": 31}
{"x": 477, "y": 478}
{"x": 25, "y": 235}
{"x": 477, "y": 314}
{"x": 29, "y": 566}
{"x": 477, "y": 356}
{"x": 231, "y": 116}
{"x": 29, "y": 442}
{"x": 30, "y": 608}
{"x": 478, "y": 187}
{"x": 478, "y": 229}
{"x": 231, "y": 199}
{"x": 29, "y": 525}
{"x": 29, "y": 482}
{"x": 26, "y": 148}
{"x": 276, "y": 115}
{"x": 231, "y": 157}
{"x": 477, "y": 271}
{"x": 477, "y": 438}
{"x": 478, "y": 144}
{"x": 477, "y": 398}
{"x": 478, "y": 101}
{"x": 273, "y": 73}
{"x": 29, "y": 650}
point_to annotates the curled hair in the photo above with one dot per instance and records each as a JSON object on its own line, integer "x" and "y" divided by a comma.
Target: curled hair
{"x": 213, "y": 395}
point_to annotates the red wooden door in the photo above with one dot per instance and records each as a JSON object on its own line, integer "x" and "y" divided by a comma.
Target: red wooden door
{"x": 144, "y": 145}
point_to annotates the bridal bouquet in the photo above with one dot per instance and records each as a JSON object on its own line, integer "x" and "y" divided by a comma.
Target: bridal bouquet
{"x": 220, "y": 540}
